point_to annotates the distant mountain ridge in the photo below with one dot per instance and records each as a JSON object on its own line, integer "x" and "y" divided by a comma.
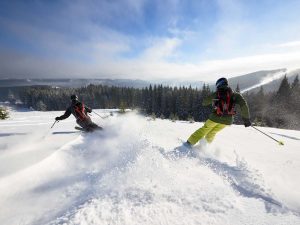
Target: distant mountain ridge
{"x": 73, "y": 82}
{"x": 269, "y": 79}
{"x": 249, "y": 80}
{"x": 274, "y": 84}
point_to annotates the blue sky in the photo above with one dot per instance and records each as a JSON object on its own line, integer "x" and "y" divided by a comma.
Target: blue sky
{"x": 147, "y": 39}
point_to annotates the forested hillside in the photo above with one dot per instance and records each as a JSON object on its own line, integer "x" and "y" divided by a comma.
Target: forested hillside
{"x": 276, "y": 109}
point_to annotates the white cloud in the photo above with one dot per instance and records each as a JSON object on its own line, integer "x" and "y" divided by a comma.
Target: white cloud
{"x": 142, "y": 68}
{"x": 205, "y": 70}
{"x": 99, "y": 49}
{"x": 230, "y": 26}
{"x": 160, "y": 49}
{"x": 291, "y": 44}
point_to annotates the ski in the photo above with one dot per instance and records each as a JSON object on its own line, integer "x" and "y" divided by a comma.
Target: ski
{"x": 88, "y": 131}
{"x": 79, "y": 128}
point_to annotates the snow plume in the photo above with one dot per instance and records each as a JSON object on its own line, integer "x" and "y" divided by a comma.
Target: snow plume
{"x": 267, "y": 79}
{"x": 65, "y": 175}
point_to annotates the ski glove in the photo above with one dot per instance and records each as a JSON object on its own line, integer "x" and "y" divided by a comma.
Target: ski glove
{"x": 247, "y": 122}
{"x": 57, "y": 118}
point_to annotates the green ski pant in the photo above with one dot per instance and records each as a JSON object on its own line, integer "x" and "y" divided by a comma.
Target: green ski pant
{"x": 209, "y": 131}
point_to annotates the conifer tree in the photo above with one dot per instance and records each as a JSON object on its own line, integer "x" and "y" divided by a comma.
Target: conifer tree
{"x": 40, "y": 106}
{"x": 284, "y": 91}
{"x": 237, "y": 89}
{"x": 295, "y": 85}
{"x": 4, "y": 114}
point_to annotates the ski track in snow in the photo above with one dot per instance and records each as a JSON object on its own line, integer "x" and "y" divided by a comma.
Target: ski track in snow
{"x": 133, "y": 172}
{"x": 243, "y": 180}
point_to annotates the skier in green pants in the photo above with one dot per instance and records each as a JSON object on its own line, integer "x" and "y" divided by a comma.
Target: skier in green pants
{"x": 224, "y": 101}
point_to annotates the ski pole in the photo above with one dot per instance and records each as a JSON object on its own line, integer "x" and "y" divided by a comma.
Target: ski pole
{"x": 279, "y": 142}
{"x": 103, "y": 117}
{"x": 56, "y": 121}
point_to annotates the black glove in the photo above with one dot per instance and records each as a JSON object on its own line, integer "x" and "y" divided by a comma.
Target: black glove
{"x": 247, "y": 122}
{"x": 89, "y": 110}
{"x": 57, "y": 118}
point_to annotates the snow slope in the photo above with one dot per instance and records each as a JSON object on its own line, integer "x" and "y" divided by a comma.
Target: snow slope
{"x": 130, "y": 173}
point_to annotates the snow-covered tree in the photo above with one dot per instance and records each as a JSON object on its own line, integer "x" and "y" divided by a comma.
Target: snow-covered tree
{"x": 4, "y": 114}
{"x": 41, "y": 106}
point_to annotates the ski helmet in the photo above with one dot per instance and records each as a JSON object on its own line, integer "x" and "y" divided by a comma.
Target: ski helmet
{"x": 222, "y": 82}
{"x": 74, "y": 97}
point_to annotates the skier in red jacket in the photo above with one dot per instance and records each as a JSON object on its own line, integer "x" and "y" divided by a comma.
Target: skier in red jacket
{"x": 80, "y": 111}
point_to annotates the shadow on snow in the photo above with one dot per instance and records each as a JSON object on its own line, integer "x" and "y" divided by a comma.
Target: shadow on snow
{"x": 11, "y": 134}
{"x": 287, "y": 136}
{"x": 65, "y": 132}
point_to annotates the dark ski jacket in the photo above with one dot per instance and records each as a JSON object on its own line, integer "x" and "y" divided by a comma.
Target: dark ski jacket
{"x": 238, "y": 99}
{"x": 79, "y": 112}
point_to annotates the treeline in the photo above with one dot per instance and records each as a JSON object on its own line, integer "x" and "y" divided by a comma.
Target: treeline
{"x": 278, "y": 109}
{"x": 184, "y": 103}
{"x": 4, "y": 114}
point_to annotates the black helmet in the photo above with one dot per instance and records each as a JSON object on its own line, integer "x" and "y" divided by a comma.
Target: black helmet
{"x": 74, "y": 97}
{"x": 222, "y": 82}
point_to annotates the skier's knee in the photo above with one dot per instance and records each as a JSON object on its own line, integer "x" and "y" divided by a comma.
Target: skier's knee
{"x": 209, "y": 139}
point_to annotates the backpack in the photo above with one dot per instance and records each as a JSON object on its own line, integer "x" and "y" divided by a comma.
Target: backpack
{"x": 224, "y": 102}
{"x": 80, "y": 111}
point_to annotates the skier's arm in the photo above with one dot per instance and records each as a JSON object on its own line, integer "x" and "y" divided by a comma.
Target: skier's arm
{"x": 208, "y": 100}
{"x": 244, "y": 109}
{"x": 65, "y": 116}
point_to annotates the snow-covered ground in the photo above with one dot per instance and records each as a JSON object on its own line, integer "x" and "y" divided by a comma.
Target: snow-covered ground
{"x": 131, "y": 174}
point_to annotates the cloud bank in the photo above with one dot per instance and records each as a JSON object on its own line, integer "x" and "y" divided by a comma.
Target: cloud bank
{"x": 193, "y": 40}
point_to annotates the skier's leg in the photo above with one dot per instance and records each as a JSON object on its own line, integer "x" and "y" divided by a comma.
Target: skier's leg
{"x": 92, "y": 127}
{"x": 212, "y": 133}
{"x": 200, "y": 133}
{"x": 81, "y": 123}
{"x": 84, "y": 124}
